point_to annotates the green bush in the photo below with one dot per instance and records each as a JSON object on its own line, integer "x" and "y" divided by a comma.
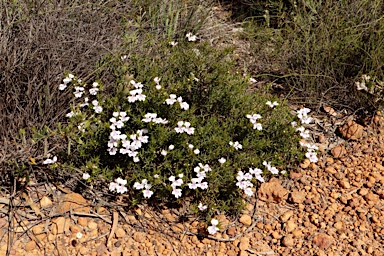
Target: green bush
{"x": 218, "y": 105}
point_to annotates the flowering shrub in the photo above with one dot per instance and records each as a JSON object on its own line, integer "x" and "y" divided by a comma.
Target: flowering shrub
{"x": 181, "y": 128}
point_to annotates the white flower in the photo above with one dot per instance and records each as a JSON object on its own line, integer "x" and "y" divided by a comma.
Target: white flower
{"x": 176, "y": 192}
{"x": 258, "y": 126}
{"x": 171, "y": 100}
{"x": 136, "y": 85}
{"x": 79, "y": 91}
{"x": 196, "y": 151}
{"x": 236, "y": 145}
{"x": 191, "y": 37}
{"x": 303, "y": 112}
{"x": 252, "y": 80}
{"x": 190, "y": 146}
{"x": 184, "y": 105}
{"x": 70, "y": 114}
{"x": 253, "y": 118}
{"x": 202, "y": 207}
{"x": 93, "y": 91}
{"x": 95, "y": 84}
{"x": 163, "y": 152}
{"x": 312, "y": 156}
{"x": 222, "y": 160}
{"x": 272, "y": 105}
{"x": 98, "y": 109}
{"x": 121, "y": 181}
{"x": 158, "y": 87}
{"x": 294, "y": 124}
{"x": 157, "y": 80}
{"x": 171, "y": 147}
{"x": 62, "y": 87}
{"x": 156, "y": 176}
{"x": 86, "y": 176}
{"x": 147, "y": 193}
{"x": 50, "y": 161}
{"x": 248, "y": 191}
{"x": 213, "y": 229}
{"x": 173, "y": 43}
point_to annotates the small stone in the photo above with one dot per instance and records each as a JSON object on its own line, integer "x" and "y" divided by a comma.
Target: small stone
{"x": 244, "y": 243}
{"x": 322, "y": 241}
{"x": 242, "y": 253}
{"x": 288, "y": 241}
{"x": 74, "y": 229}
{"x": 285, "y": 216}
{"x": 275, "y": 235}
{"x": 231, "y": 231}
{"x": 344, "y": 183}
{"x": 30, "y": 246}
{"x": 92, "y": 225}
{"x": 178, "y": 228}
{"x": 351, "y": 130}
{"x": 297, "y": 197}
{"x": 61, "y": 225}
{"x": 297, "y": 233}
{"x": 330, "y": 170}
{"x": 82, "y": 221}
{"x": 272, "y": 191}
{"x": 290, "y": 226}
{"x": 363, "y": 191}
{"x": 246, "y": 220}
{"x": 305, "y": 164}
{"x": 338, "y": 151}
{"x": 373, "y": 198}
{"x": 338, "y": 225}
{"x": 120, "y": 232}
{"x": 45, "y": 202}
{"x": 139, "y": 236}
{"x": 138, "y": 211}
{"x": 38, "y": 229}
{"x": 295, "y": 175}
{"x": 73, "y": 201}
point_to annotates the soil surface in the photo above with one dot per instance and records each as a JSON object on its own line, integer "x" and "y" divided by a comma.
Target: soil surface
{"x": 333, "y": 207}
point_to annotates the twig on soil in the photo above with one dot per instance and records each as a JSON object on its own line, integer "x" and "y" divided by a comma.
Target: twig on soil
{"x": 113, "y": 229}
{"x": 92, "y": 239}
{"x": 21, "y": 213}
{"x": 261, "y": 253}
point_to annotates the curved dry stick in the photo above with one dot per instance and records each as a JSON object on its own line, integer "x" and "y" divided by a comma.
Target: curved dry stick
{"x": 113, "y": 229}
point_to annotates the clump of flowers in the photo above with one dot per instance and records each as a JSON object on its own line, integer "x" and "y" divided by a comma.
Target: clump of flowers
{"x": 175, "y": 184}
{"x": 253, "y": 119}
{"x": 184, "y": 127}
{"x": 136, "y": 94}
{"x": 302, "y": 114}
{"x": 173, "y": 99}
{"x": 145, "y": 186}
{"x": 118, "y": 186}
{"x": 201, "y": 173}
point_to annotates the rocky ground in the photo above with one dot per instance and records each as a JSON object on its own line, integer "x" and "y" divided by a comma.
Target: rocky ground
{"x": 334, "y": 207}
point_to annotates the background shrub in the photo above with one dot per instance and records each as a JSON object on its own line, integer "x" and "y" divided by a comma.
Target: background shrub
{"x": 320, "y": 49}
